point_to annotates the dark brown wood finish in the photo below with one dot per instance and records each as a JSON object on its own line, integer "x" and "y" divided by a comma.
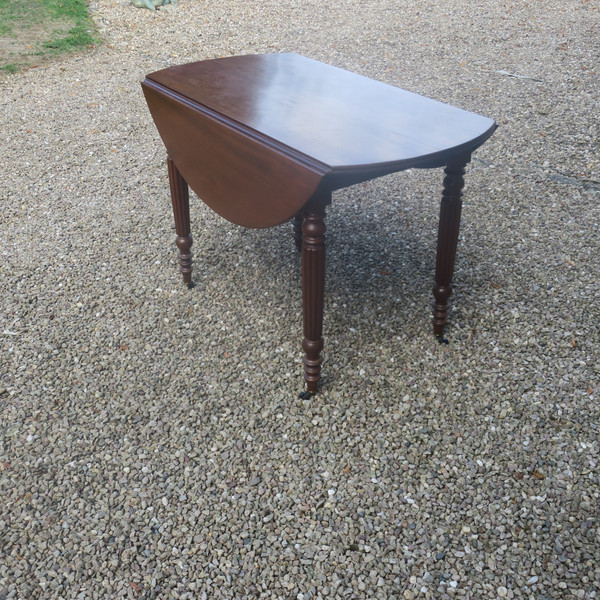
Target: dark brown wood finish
{"x": 264, "y": 139}
{"x": 245, "y": 179}
{"x": 313, "y": 286}
{"x": 181, "y": 211}
{"x": 255, "y": 135}
{"x": 297, "y": 227}
{"x": 449, "y": 225}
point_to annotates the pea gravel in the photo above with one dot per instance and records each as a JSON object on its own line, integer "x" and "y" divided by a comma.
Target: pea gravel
{"x": 152, "y": 442}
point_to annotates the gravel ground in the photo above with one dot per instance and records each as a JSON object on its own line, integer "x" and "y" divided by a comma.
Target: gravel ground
{"x": 152, "y": 442}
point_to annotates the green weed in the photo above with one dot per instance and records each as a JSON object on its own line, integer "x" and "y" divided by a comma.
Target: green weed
{"x": 40, "y": 28}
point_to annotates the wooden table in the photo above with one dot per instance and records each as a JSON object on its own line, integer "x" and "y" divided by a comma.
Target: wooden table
{"x": 264, "y": 139}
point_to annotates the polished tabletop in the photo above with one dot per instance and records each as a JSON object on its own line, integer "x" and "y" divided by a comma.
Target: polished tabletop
{"x": 333, "y": 116}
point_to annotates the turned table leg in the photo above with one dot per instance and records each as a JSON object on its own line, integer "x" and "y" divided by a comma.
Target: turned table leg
{"x": 297, "y": 225}
{"x": 447, "y": 239}
{"x": 181, "y": 211}
{"x": 313, "y": 287}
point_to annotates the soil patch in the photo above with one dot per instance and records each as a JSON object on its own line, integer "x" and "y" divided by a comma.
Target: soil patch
{"x": 24, "y": 46}
{"x": 32, "y": 34}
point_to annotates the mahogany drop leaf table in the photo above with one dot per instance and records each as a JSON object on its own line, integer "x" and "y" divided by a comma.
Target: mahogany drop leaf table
{"x": 264, "y": 139}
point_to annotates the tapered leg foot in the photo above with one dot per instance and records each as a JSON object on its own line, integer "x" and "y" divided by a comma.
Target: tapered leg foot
{"x": 313, "y": 288}
{"x": 447, "y": 241}
{"x": 181, "y": 212}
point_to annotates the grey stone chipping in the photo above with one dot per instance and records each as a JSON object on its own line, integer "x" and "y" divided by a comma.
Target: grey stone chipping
{"x": 152, "y": 442}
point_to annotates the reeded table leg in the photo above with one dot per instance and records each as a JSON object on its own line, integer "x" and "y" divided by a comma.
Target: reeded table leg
{"x": 447, "y": 239}
{"x": 313, "y": 287}
{"x": 181, "y": 211}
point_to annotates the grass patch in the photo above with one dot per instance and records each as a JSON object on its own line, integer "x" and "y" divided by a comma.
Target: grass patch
{"x": 79, "y": 35}
{"x": 31, "y": 30}
{"x": 75, "y": 38}
{"x": 10, "y": 68}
